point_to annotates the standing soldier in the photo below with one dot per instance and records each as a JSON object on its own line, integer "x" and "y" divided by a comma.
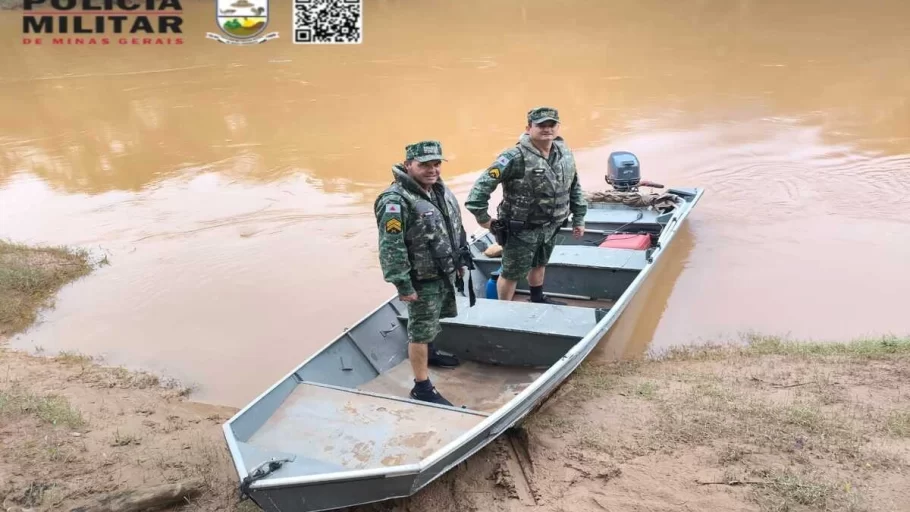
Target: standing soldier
{"x": 540, "y": 188}
{"x": 420, "y": 234}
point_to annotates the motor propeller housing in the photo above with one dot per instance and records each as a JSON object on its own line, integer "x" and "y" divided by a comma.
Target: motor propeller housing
{"x": 624, "y": 172}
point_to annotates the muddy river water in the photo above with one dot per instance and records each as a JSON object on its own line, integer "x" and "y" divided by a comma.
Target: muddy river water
{"x": 231, "y": 186}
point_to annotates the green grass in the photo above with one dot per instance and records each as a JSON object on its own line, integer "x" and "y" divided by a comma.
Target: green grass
{"x": 707, "y": 413}
{"x": 17, "y": 402}
{"x": 898, "y": 423}
{"x": 754, "y": 345}
{"x": 787, "y": 490}
{"x": 29, "y": 278}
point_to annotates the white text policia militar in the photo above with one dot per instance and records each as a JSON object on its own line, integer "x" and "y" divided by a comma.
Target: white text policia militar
{"x": 102, "y": 22}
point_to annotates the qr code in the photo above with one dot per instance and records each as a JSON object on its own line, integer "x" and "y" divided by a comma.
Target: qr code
{"x": 328, "y": 21}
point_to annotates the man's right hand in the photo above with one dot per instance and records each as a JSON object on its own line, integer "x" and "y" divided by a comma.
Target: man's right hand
{"x": 408, "y": 298}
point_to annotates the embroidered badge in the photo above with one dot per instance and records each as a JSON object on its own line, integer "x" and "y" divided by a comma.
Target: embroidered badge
{"x": 503, "y": 161}
{"x": 393, "y": 226}
{"x": 393, "y": 208}
{"x": 494, "y": 173}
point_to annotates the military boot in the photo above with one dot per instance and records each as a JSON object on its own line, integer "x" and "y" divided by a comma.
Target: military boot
{"x": 426, "y": 391}
{"x": 538, "y": 297}
{"x": 435, "y": 358}
{"x": 548, "y": 300}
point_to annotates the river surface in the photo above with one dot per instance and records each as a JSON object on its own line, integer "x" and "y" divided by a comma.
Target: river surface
{"x": 230, "y": 187}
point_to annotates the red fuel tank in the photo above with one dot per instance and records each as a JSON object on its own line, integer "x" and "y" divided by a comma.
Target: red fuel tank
{"x": 627, "y": 241}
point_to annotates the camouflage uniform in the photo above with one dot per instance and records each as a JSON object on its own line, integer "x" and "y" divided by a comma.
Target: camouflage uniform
{"x": 541, "y": 192}
{"x": 419, "y": 234}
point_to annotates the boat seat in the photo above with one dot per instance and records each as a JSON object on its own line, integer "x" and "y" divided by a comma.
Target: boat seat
{"x": 526, "y": 317}
{"x": 586, "y": 271}
{"x": 587, "y": 256}
{"x": 511, "y": 333}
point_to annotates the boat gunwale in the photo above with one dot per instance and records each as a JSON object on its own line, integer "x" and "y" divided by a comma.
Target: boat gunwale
{"x": 584, "y": 345}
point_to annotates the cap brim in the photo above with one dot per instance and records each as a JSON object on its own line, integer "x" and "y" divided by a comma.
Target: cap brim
{"x": 428, "y": 158}
{"x": 545, "y": 119}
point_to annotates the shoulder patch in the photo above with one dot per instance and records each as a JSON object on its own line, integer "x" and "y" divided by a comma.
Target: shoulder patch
{"x": 494, "y": 173}
{"x": 502, "y": 160}
{"x": 393, "y": 208}
{"x": 393, "y": 226}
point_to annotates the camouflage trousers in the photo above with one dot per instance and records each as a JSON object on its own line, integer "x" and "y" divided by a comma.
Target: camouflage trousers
{"x": 435, "y": 300}
{"x": 528, "y": 249}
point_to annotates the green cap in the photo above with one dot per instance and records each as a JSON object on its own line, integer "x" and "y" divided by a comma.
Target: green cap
{"x": 424, "y": 151}
{"x": 541, "y": 114}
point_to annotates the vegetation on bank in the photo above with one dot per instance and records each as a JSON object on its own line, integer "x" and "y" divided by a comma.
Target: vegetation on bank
{"x": 31, "y": 276}
{"x": 795, "y": 425}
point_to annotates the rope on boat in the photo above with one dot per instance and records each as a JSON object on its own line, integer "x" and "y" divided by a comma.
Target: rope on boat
{"x": 259, "y": 472}
{"x": 634, "y": 199}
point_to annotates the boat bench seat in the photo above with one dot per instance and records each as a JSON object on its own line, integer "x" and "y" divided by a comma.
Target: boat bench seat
{"x": 528, "y": 317}
{"x": 511, "y": 333}
{"x": 603, "y": 258}
{"x": 583, "y": 270}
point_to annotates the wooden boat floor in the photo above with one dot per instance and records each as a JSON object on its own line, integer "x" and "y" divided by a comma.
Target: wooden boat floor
{"x": 358, "y": 431}
{"x": 479, "y": 387}
{"x": 582, "y": 303}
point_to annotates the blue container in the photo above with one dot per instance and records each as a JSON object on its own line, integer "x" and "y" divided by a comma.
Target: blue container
{"x": 491, "y": 284}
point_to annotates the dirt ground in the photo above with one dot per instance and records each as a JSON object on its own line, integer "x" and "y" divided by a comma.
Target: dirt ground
{"x": 774, "y": 427}
{"x": 768, "y": 426}
{"x": 706, "y": 430}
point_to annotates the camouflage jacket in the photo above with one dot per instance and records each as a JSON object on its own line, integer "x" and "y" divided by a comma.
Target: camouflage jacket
{"x": 419, "y": 233}
{"x": 534, "y": 191}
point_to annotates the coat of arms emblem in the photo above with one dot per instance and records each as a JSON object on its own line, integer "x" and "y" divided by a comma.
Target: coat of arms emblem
{"x": 242, "y": 21}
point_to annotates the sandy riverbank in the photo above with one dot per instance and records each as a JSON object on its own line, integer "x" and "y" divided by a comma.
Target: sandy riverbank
{"x": 765, "y": 426}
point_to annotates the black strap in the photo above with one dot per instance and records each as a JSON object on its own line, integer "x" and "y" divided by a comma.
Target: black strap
{"x": 472, "y": 299}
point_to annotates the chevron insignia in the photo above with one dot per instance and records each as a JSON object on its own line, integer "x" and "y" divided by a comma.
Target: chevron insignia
{"x": 393, "y": 226}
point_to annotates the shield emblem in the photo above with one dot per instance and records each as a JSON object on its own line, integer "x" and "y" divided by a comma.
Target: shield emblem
{"x": 242, "y": 19}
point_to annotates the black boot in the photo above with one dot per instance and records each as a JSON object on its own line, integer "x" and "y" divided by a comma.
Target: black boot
{"x": 547, "y": 300}
{"x": 441, "y": 360}
{"x": 538, "y": 296}
{"x": 425, "y": 391}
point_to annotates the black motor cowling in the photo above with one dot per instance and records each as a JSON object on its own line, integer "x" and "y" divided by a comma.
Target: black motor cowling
{"x": 624, "y": 172}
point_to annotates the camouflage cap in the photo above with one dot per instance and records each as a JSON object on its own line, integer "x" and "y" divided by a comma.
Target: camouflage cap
{"x": 424, "y": 151}
{"x": 541, "y": 114}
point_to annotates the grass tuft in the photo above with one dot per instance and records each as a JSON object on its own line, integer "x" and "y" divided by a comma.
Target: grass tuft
{"x": 29, "y": 278}
{"x": 898, "y": 423}
{"x": 868, "y": 348}
{"x": 754, "y": 345}
{"x": 17, "y": 402}
{"x": 74, "y": 358}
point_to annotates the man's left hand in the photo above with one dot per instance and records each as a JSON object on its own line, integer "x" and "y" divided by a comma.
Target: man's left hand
{"x": 578, "y": 231}
{"x": 459, "y": 272}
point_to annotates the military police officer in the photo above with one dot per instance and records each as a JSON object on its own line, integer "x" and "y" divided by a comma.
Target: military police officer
{"x": 540, "y": 188}
{"x": 420, "y": 233}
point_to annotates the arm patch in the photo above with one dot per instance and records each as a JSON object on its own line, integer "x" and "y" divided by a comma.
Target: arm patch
{"x": 393, "y": 226}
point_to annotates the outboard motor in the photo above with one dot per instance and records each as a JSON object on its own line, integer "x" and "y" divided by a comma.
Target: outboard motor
{"x": 624, "y": 172}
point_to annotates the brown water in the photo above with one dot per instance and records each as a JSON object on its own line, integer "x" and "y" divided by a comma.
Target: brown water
{"x": 231, "y": 187}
